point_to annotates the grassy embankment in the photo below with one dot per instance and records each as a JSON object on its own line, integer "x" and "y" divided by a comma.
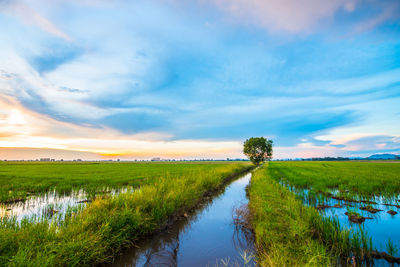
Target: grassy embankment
{"x": 108, "y": 224}
{"x": 291, "y": 234}
{"x": 365, "y": 185}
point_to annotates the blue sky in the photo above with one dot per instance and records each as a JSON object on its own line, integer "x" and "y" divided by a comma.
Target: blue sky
{"x": 195, "y": 78}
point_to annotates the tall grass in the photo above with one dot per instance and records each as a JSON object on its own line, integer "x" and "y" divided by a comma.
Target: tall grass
{"x": 98, "y": 232}
{"x": 291, "y": 234}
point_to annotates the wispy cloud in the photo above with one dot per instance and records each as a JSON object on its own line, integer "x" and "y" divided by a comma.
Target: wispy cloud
{"x": 389, "y": 11}
{"x": 31, "y": 17}
{"x": 170, "y": 79}
{"x": 22, "y": 128}
{"x": 289, "y": 15}
{"x": 352, "y": 147}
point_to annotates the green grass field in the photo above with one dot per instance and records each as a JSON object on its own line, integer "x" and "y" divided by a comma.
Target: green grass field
{"x": 18, "y": 179}
{"x": 108, "y": 224}
{"x": 360, "y": 178}
{"x": 288, "y": 233}
{"x": 291, "y": 234}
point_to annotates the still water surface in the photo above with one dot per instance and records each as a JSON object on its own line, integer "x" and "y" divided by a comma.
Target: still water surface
{"x": 207, "y": 237}
{"x": 53, "y": 205}
{"x": 380, "y": 227}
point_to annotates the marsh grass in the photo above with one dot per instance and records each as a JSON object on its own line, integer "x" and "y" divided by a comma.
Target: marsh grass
{"x": 366, "y": 186}
{"x": 246, "y": 260}
{"x": 291, "y": 234}
{"x": 100, "y": 231}
{"x": 391, "y": 248}
{"x": 282, "y": 225}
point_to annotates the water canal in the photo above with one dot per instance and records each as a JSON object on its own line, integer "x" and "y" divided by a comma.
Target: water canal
{"x": 207, "y": 236}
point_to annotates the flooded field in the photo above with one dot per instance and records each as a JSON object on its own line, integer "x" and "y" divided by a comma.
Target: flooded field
{"x": 208, "y": 236}
{"x": 378, "y": 217}
{"x": 53, "y": 205}
{"x": 85, "y": 214}
{"x": 362, "y": 197}
{"x": 158, "y": 221}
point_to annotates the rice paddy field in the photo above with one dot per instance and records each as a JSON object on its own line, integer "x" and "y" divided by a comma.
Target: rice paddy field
{"x": 81, "y": 214}
{"x": 361, "y": 179}
{"x": 18, "y": 180}
{"x": 300, "y": 213}
{"x": 327, "y": 213}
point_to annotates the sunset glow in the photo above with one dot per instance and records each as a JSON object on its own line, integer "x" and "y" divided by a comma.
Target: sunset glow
{"x": 193, "y": 79}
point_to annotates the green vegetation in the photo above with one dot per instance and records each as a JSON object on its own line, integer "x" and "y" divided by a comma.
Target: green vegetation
{"x": 364, "y": 179}
{"x": 391, "y": 248}
{"x": 354, "y": 213}
{"x": 108, "y": 224}
{"x": 19, "y": 179}
{"x": 291, "y": 234}
{"x": 258, "y": 149}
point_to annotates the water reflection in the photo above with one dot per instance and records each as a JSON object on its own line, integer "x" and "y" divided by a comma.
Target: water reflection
{"x": 53, "y": 205}
{"x": 207, "y": 236}
{"x": 381, "y": 226}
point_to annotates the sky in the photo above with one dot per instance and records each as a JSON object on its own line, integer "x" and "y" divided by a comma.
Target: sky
{"x": 99, "y": 79}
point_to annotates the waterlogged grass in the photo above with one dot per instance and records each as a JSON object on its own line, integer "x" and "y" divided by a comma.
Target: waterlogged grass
{"x": 363, "y": 179}
{"x": 97, "y": 233}
{"x": 20, "y": 179}
{"x": 367, "y": 190}
{"x": 291, "y": 234}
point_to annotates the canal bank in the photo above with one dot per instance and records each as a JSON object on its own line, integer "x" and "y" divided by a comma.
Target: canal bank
{"x": 206, "y": 236}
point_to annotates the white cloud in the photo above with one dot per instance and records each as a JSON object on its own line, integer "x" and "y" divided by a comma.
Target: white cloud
{"x": 31, "y": 17}
{"x": 200, "y": 80}
{"x": 22, "y": 128}
{"x": 286, "y": 15}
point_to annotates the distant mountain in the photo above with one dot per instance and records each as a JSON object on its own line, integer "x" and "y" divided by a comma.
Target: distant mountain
{"x": 384, "y": 156}
{"x": 356, "y": 158}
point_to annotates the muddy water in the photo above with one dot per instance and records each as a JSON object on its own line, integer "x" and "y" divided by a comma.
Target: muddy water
{"x": 206, "y": 237}
{"x": 380, "y": 227}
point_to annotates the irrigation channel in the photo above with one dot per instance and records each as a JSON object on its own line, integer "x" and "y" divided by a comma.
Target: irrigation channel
{"x": 213, "y": 234}
{"x": 210, "y": 235}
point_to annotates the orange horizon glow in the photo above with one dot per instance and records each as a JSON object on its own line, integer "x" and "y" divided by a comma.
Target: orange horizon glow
{"x": 37, "y": 134}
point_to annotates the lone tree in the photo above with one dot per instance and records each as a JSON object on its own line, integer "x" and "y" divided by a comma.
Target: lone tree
{"x": 258, "y": 149}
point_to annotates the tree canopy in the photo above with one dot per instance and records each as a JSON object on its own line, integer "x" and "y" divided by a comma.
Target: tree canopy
{"x": 258, "y": 149}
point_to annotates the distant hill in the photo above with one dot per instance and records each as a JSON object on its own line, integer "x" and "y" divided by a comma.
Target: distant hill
{"x": 356, "y": 158}
{"x": 384, "y": 156}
